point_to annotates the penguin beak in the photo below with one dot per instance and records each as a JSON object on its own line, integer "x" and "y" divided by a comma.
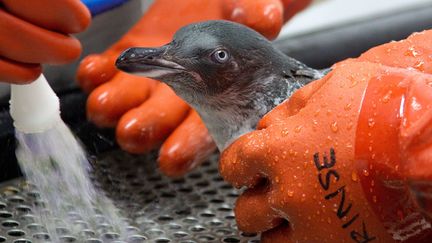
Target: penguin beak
{"x": 148, "y": 62}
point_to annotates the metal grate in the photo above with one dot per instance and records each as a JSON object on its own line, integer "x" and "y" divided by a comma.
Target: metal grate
{"x": 195, "y": 208}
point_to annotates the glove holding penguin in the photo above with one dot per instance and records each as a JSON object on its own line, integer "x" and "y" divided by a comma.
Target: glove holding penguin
{"x": 346, "y": 157}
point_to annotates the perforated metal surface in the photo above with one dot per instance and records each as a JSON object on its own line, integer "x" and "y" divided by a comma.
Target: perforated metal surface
{"x": 196, "y": 208}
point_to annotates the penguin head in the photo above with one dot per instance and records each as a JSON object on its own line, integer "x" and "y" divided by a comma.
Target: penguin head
{"x": 205, "y": 59}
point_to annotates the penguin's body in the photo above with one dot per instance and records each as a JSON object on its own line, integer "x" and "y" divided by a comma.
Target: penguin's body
{"x": 230, "y": 74}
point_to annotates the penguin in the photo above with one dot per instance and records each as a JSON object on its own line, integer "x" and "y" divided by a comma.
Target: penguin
{"x": 230, "y": 74}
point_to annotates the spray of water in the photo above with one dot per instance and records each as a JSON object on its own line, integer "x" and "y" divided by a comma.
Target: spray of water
{"x": 55, "y": 162}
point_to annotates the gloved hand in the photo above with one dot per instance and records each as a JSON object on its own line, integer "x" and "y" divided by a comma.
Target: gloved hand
{"x": 36, "y": 32}
{"x": 347, "y": 158}
{"x": 265, "y": 16}
{"x": 147, "y": 113}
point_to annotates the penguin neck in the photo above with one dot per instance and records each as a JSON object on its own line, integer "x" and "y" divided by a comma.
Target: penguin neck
{"x": 237, "y": 111}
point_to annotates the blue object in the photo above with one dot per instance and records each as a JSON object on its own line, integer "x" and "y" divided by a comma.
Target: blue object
{"x": 99, "y": 6}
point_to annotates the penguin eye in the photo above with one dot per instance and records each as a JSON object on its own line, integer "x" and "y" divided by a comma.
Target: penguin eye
{"x": 220, "y": 56}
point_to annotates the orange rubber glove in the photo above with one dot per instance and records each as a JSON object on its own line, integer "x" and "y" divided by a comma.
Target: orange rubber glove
{"x": 347, "y": 158}
{"x": 35, "y": 32}
{"x": 265, "y": 16}
{"x": 147, "y": 113}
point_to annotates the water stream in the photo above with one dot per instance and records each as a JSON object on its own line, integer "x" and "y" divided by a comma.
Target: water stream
{"x": 56, "y": 164}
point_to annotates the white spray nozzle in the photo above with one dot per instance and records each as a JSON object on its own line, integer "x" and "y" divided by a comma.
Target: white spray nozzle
{"x": 34, "y": 107}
